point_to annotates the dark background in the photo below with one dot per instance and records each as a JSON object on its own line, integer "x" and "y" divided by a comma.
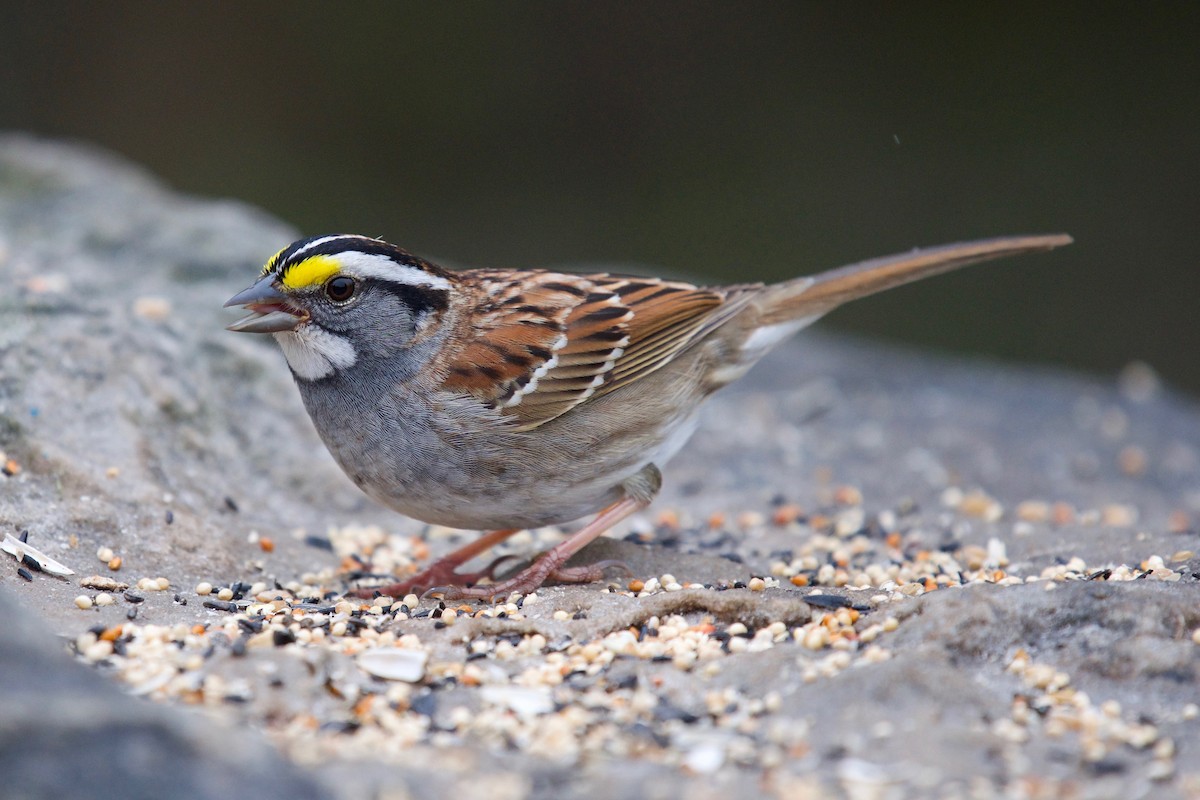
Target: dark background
{"x": 731, "y": 141}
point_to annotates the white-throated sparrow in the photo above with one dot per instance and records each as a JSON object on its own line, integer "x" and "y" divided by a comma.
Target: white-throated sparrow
{"x": 506, "y": 399}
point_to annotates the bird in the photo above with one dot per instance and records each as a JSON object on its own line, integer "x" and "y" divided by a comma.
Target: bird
{"x": 500, "y": 400}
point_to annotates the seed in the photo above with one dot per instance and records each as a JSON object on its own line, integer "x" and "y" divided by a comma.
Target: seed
{"x": 847, "y": 496}
{"x": 83, "y": 602}
{"x": 1132, "y": 460}
{"x": 99, "y": 651}
{"x": 114, "y": 563}
{"x": 1033, "y": 511}
{"x": 786, "y": 514}
{"x": 205, "y": 588}
{"x": 817, "y": 637}
{"x": 105, "y": 554}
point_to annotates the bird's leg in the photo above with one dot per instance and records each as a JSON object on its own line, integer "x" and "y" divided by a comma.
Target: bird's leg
{"x": 550, "y": 564}
{"x": 444, "y": 569}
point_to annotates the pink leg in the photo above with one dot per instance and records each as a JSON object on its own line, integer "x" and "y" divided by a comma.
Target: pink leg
{"x": 443, "y": 570}
{"x": 550, "y": 565}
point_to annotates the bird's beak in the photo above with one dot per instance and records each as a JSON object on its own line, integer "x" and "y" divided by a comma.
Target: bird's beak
{"x": 269, "y": 309}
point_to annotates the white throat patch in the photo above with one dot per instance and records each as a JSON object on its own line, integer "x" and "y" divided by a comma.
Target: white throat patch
{"x": 314, "y": 353}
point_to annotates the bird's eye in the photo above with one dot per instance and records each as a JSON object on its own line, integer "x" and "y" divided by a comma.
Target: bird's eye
{"x": 339, "y": 288}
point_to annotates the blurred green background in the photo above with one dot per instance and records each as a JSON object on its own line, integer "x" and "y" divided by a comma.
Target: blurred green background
{"x": 731, "y": 141}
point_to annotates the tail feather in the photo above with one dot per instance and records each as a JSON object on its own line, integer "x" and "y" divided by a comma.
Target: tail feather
{"x": 812, "y": 296}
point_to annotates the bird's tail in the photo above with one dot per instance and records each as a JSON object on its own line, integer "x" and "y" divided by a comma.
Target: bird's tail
{"x": 812, "y": 296}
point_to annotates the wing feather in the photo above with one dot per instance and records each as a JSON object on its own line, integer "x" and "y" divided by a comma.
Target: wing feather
{"x": 538, "y": 344}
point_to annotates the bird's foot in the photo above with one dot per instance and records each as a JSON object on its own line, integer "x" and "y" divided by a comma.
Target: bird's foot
{"x": 439, "y": 573}
{"x": 529, "y": 579}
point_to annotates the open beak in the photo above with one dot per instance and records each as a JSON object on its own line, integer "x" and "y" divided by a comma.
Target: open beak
{"x": 269, "y": 310}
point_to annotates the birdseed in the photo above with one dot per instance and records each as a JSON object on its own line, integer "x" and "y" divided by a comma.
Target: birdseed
{"x": 524, "y": 674}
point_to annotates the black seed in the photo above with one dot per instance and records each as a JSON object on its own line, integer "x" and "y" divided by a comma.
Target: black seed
{"x": 24, "y": 537}
{"x": 629, "y": 681}
{"x": 231, "y": 504}
{"x": 1107, "y": 766}
{"x": 220, "y": 605}
{"x": 424, "y": 704}
{"x": 132, "y": 613}
{"x": 24, "y": 573}
{"x": 827, "y": 600}
{"x": 170, "y": 516}
{"x": 665, "y": 712}
{"x": 319, "y": 542}
{"x": 282, "y": 636}
{"x": 133, "y": 598}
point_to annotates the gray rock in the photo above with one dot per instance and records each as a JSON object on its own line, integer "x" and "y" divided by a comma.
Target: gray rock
{"x": 124, "y": 402}
{"x": 67, "y": 731}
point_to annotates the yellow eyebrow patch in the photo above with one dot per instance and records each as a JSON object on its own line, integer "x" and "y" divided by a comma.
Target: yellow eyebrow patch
{"x": 312, "y": 271}
{"x": 272, "y": 261}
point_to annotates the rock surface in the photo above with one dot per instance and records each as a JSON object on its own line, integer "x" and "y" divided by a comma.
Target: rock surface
{"x": 129, "y": 419}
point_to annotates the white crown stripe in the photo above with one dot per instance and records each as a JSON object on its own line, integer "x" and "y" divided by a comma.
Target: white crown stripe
{"x": 371, "y": 265}
{"x": 315, "y": 243}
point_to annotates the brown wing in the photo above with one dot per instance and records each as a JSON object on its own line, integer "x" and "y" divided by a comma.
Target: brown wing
{"x": 540, "y": 343}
